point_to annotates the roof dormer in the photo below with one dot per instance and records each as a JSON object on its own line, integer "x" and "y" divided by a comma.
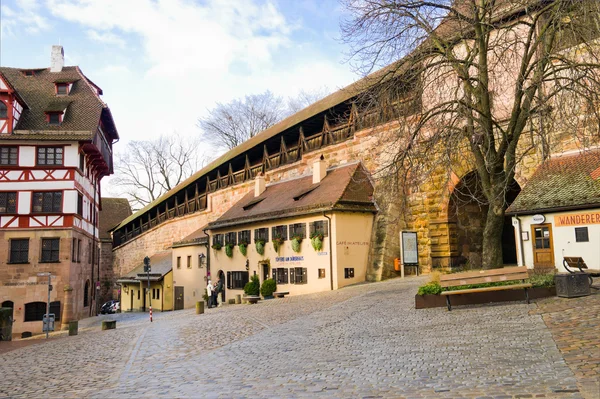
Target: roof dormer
{"x": 62, "y": 87}
{"x": 56, "y": 111}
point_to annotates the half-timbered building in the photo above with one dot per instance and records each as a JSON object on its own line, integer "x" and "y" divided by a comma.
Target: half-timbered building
{"x": 56, "y": 137}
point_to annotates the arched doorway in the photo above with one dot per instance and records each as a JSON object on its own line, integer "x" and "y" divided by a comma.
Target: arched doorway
{"x": 221, "y": 276}
{"x": 467, "y": 211}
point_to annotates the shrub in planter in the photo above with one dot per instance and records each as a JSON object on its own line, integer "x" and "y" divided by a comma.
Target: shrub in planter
{"x": 431, "y": 288}
{"x": 316, "y": 240}
{"x": 296, "y": 241}
{"x": 277, "y": 242}
{"x": 229, "y": 250}
{"x": 260, "y": 246}
{"x": 216, "y": 246}
{"x": 268, "y": 288}
{"x": 252, "y": 287}
{"x": 243, "y": 247}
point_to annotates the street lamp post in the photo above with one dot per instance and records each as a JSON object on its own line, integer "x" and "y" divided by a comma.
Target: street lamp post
{"x": 47, "y": 303}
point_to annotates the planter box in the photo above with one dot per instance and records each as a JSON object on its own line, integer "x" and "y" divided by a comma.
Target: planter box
{"x": 572, "y": 285}
{"x": 438, "y": 301}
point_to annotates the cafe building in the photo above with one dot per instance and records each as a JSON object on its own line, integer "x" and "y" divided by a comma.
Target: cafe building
{"x": 310, "y": 234}
{"x": 557, "y": 214}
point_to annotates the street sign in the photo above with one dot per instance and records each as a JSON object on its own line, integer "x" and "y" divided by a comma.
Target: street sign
{"x": 48, "y": 322}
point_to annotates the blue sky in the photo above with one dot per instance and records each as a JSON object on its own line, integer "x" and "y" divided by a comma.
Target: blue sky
{"x": 163, "y": 63}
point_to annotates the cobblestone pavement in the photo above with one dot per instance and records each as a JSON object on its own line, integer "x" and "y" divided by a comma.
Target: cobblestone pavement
{"x": 575, "y": 326}
{"x": 365, "y": 341}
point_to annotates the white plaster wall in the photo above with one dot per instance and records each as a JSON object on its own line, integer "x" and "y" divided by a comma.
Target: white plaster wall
{"x": 70, "y": 201}
{"x": 26, "y": 156}
{"x": 563, "y": 240}
{"x": 71, "y": 155}
{"x": 24, "y": 203}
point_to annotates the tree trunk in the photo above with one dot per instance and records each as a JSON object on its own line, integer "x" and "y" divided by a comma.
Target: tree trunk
{"x": 492, "y": 237}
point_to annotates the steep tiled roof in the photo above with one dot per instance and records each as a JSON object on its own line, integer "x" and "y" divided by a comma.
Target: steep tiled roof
{"x": 564, "y": 182}
{"x": 344, "y": 188}
{"x": 113, "y": 211}
{"x": 160, "y": 264}
{"x": 84, "y": 106}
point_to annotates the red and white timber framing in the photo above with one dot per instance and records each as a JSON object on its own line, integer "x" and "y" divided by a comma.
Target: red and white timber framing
{"x": 13, "y": 106}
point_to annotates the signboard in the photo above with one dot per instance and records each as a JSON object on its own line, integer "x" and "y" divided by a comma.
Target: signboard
{"x": 48, "y": 322}
{"x": 410, "y": 250}
{"x": 537, "y": 219}
{"x": 577, "y": 219}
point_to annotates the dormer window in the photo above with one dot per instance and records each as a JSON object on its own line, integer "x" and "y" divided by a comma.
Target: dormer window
{"x": 62, "y": 89}
{"x": 28, "y": 72}
{"x": 54, "y": 118}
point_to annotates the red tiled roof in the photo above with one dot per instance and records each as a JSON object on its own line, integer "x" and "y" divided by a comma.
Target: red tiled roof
{"x": 344, "y": 188}
{"x": 563, "y": 182}
{"x": 85, "y": 108}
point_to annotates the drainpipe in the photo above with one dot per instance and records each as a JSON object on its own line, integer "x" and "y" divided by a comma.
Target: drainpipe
{"x": 330, "y": 251}
{"x": 208, "y": 253}
{"x": 521, "y": 249}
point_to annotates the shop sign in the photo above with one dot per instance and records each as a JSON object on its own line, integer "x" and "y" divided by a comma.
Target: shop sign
{"x": 577, "y": 219}
{"x": 537, "y": 219}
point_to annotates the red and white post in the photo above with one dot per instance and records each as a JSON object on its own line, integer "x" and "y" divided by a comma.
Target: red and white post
{"x": 150, "y": 313}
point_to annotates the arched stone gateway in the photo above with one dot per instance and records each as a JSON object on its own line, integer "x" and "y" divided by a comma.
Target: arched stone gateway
{"x": 466, "y": 213}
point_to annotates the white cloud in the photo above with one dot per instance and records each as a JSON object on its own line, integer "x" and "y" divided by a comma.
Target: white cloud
{"x": 26, "y": 17}
{"x": 106, "y": 38}
{"x": 194, "y": 54}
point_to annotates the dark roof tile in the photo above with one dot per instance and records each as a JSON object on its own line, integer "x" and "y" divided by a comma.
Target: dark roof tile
{"x": 113, "y": 211}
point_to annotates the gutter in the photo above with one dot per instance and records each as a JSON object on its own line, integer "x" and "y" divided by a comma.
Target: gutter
{"x": 555, "y": 209}
{"x": 207, "y": 259}
{"x": 330, "y": 251}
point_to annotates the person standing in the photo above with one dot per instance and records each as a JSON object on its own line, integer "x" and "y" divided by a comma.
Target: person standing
{"x": 209, "y": 292}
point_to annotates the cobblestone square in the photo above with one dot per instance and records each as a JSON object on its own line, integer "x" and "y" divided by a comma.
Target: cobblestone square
{"x": 365, "y": 341}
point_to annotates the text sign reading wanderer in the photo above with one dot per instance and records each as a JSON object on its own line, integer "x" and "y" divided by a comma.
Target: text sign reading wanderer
{"x": 577, "y": 219}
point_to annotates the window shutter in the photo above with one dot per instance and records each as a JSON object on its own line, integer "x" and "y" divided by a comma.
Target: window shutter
{"x": 311, "y": 228}
{"x": 245, "y": 279}
{"x": 304, "y": 275}
{"x": 292, "y": 275}
{"x": 228, "y": 280}
{"x": 285, "y": 276}
{"x": 325, "y": 228}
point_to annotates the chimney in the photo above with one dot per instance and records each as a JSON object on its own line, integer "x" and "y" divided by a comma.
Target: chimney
{"x": 259, "y": 185}
{"x": 57, "y": 59}
{"x": 319, "y": 170}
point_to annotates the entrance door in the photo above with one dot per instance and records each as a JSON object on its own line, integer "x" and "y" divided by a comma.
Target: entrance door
{"x": 131, "y": 297}
{"x": 543, "y": 249}
{"x": 178, "y": 298}
{"x": 265, "y": 271}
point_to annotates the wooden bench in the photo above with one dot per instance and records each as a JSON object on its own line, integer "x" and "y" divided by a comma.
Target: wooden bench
{"x": 109, "y": 324}
{"x": 252, "y": 299}
{"x": 579, "y": 263}
{"x": 280, "y": 294}
{"x": 482, "y": 277}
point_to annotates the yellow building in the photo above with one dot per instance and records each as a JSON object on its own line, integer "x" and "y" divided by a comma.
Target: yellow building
{"x": 135, "y": 296}
{"x": 190, "y": 269}
{"x": 309, "y": 234}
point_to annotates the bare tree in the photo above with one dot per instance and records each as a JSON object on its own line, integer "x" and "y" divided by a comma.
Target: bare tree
{"x": 229, "y": 125}
{"x": 494, "y": 81}
{"x": 147, "y": 169}
{"x": 305, "y": 98}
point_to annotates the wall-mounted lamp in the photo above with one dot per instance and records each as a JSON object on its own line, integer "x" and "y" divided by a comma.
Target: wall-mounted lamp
{"x": 126, "y": 289}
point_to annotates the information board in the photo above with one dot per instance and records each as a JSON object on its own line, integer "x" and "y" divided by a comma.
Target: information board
{"x": 410, "y": 250}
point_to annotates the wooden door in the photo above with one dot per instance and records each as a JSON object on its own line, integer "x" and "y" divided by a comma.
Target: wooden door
{"x": 178, "y": 298}
{"x": 543, "y": 248}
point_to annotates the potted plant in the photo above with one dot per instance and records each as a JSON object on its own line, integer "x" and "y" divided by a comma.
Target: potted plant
{"x": 252, "y": 287}
{"x": 229, "y": 249}
{"x": 296, "y": 241}
{"x": 243, "y": 247}
{"x": 269, "y": 286}
{"x": 277, "y": 242}
{"x": 217, "y": 246}
{"x": 260, "y": 246}
{"x": 316, "y": 240}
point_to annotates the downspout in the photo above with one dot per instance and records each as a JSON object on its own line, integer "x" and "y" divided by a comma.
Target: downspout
{"x": 330, "y": 251}
{"x": 521, "y": 249}
{"x": 207, "y": 253}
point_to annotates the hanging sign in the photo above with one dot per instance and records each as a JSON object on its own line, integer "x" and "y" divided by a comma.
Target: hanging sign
{"x": 537, "y": 219}
{"x": 410, "y": 250}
